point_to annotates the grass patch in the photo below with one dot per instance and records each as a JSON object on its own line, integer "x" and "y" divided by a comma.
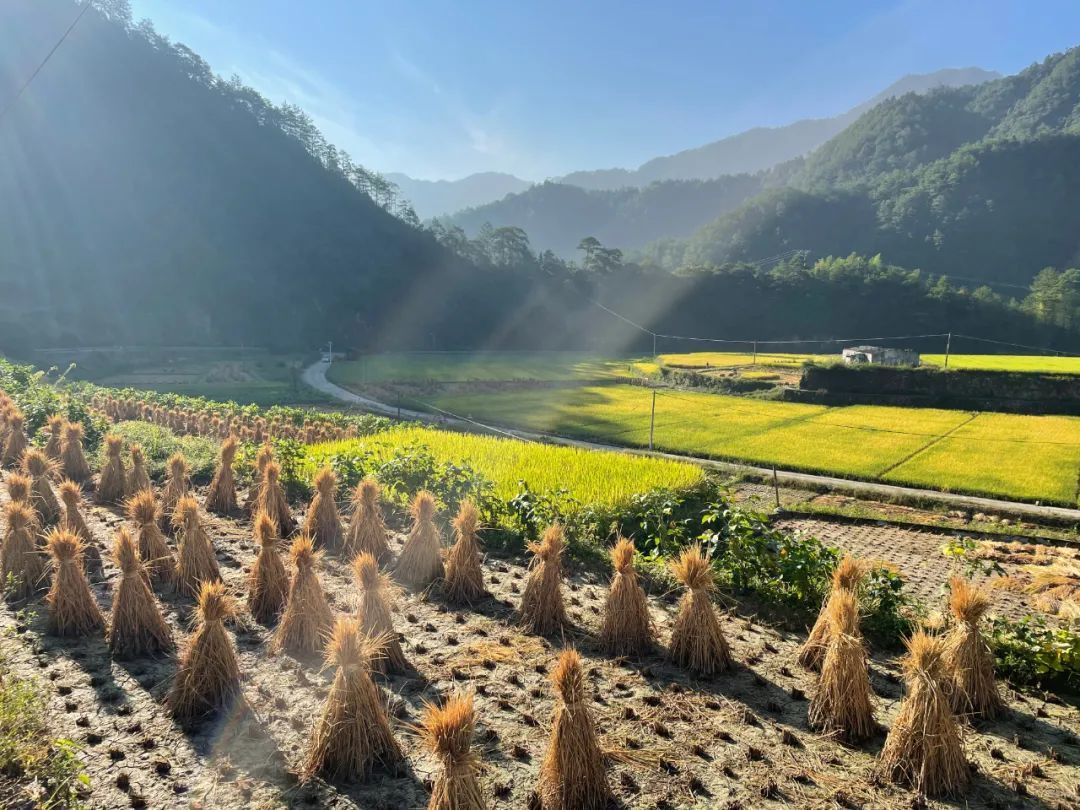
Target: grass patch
{"x": 159, "y": 443}
{"x": 49, "y": 768}
{"x": 420, "y": 367}
{"x": 256, "y": 379}
{"x": 590, "y": 477}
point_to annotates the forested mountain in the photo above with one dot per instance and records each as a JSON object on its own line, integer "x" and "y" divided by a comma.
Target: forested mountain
{"x": 977, "y": 181}
{"x": 632, "y": 208}
{"x": 764, "y": 147}
{"x": 556, "y": 216}
{"x": 147, "y": 200}
{"x": 437, "y": 198}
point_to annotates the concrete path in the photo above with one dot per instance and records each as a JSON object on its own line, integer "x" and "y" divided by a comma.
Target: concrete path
{"x": 315, "y": 376}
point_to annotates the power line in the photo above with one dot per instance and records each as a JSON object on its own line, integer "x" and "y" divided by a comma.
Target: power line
{"x": 1016, "y": 345}
{"x": 7, "y": 107}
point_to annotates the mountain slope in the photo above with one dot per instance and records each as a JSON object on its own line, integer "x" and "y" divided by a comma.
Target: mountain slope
{"x": 148, "y": 201}
{"x": 557, "y": 216}
{"x": 981, "y": 181}
{"x": 764, "y": 147}
{"x": 436, "y": 198}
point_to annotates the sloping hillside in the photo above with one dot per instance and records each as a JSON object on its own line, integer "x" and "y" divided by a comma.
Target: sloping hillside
{"x": 436, "y": 198}
{"x": 556, "y": 216}
{"x": 981, "y": 181}
{"x": 762, "y": 148}
{"x": 147, "y": 200}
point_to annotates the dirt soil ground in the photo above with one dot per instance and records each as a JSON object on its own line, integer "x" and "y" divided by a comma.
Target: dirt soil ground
{"x": 737, "y": 741}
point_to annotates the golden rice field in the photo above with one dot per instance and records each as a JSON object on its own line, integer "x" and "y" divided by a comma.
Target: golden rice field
{"x": 975, "y": 362}
{"x": 1007, "y": 362}
{"x": 591, "y": 477}
{"x": 729, "y": 359}
{"x": 1011, "y": 456}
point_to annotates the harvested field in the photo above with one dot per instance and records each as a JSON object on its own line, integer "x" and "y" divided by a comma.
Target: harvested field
{"x": 738, "y": 740}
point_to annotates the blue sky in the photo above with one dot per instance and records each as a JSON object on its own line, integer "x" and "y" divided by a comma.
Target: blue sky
{"x": 444, "y": 88}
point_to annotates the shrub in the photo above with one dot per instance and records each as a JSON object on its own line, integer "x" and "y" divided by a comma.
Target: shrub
{"x": 1030, "y": 651}
{"x": 39, "y": 398}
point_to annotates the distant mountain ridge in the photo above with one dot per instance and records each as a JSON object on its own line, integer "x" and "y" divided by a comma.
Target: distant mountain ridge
{"x": 435, "y": 198}
{"x": 971, "y": 181}
{"x": 556, "y": 215}
{"x": 764, "y": 147}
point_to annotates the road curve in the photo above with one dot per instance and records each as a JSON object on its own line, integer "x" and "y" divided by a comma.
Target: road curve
{"x": 315, "y": 377}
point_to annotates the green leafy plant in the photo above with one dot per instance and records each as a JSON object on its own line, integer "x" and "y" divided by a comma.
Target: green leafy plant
{"x": 962, "y": 550}
{"x": 27, "y": 752}
{"x": 889, "y": 614}
{"x": 1030, "y": 651}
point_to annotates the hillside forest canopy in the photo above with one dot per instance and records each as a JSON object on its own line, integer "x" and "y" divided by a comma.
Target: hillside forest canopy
{"x": 153, "y": 202}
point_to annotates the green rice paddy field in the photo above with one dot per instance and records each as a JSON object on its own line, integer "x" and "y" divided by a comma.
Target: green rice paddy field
{"x": 1035, "y": 458}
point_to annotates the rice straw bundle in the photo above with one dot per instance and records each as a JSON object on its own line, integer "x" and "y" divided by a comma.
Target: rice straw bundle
{"x": 38, "y": 468}
{"x": 72, "y": 459}
{"x": 208, "y": 676}
{"x": 447, "y": 731}
{"x": 271, "y": 499}
{"x": 72, "y": 521}
{"x": 19, "y": 487}
{"x": 353, "y": 735}
{"x": 968, "y": 660}
{"x": 464, "y": 578}
{"x": 72, "y": 609}
{"x": 846, "y": 577}
{"x": 697, "y": 642}
{"x": 138, "y": 479}
{"x": 176, "y": 487}
{"x": 628, "y": 627}
{"x": 195, "y": 560}
{"x": 137, "y": 626}
{"x": 924, "y": 749}
{"x": 21, "y": 562}
{"x": 307, "y": 617}
{"x": 142, "y": 510}
{"x": 572, "y": 776}
{"x": 420, "y": 562}
{"x": 542, "y": 610}
{"x": 112, "y": 485}
{"x": 16, "y": 442}
{"x": 367, "y": 531}
{"x": 56, "y": 436}
{"x": 323, "y": 523}
{"x": 221, "y": 497}
{"x": 268, "y": 584}
{"x": 373, "y": 613}
{"x": 842, "y": 705}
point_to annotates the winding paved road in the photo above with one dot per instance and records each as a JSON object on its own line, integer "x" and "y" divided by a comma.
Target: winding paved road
{"x": 315, "y": 376}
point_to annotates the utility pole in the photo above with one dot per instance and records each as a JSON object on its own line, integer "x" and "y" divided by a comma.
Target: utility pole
{"x": 948, "y": 345}
{"x": 652, "y": 419}
{"x": 755, "y": 353}
{"x": 654, "y": 345}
